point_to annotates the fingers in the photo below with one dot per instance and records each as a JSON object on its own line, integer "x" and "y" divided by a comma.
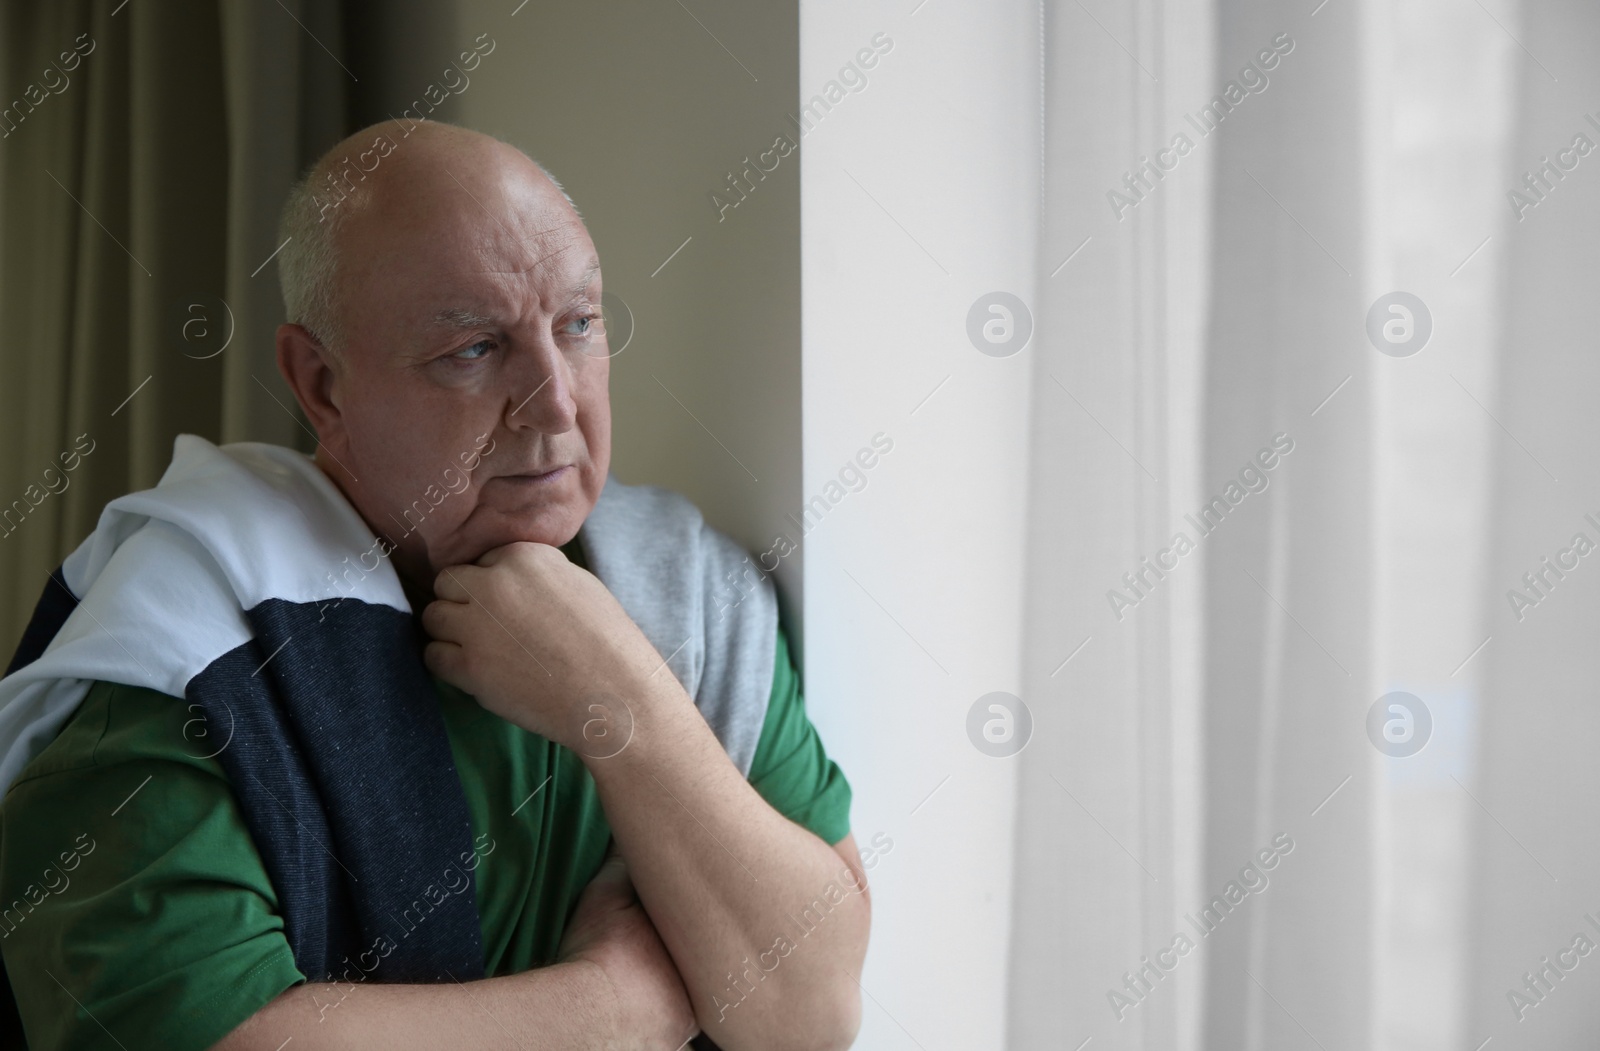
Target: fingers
{"x": 444, "y": 659}
{"x": 493, "y": 555}
{"x": 531, "y": 549}
{"x": 615, "y": 867}
{"x": 461, "y": 583}
{"x": 516, "y": 548}
{"x": 442, "y": 620}
{"x": 609, "y": 891}
{"x": 613, "y": 872}
{"x": 453, "y": 584}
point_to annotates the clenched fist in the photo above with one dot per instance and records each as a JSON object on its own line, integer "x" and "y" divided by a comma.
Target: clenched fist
{"x": 542, "y": 644}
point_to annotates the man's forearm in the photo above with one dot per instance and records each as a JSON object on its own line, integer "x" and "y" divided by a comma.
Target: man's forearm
{"x": 568, "y": 1005}
{"x": 721, "y": 874}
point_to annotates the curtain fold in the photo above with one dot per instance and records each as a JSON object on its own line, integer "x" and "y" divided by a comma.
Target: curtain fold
{"x": 1108, "y": 821}
{"x": 287, "y": 101}
{"x": 1289, "y": 582}
{"x": 1217, "y": 698}
{"x": 1535, "y": 862}
{"x": 142, "y": 189}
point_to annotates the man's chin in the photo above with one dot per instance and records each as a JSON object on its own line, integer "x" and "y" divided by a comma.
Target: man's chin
{"x": 553, "y": 534}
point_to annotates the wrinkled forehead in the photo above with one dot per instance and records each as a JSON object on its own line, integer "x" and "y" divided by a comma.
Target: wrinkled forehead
{"x": 457, "y": 235}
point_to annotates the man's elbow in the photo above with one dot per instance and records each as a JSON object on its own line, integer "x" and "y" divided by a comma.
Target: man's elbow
{"x": 828, "y": 1020}
{"x": 843, "y": 1022}
{"x": 819, "y": 1018}
{"x": 814, "y": 1032}
{"x": 836, "y": 1010}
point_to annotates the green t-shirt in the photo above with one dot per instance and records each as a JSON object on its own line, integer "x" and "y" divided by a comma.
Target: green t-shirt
{"x": 135, "y": 903}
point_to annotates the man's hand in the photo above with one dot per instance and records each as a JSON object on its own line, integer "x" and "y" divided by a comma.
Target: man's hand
{"x": 609, "y": 928}
{"x": 613, "y": 986}
{"x": 542, "y": 644}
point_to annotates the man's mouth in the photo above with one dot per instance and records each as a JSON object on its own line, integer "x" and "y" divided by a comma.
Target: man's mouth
{"x": 538, "y": 477}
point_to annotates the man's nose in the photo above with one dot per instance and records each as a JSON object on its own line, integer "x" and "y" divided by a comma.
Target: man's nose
{"x": 541, "y": 394}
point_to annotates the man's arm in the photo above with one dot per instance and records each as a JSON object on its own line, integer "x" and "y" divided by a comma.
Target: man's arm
{"x": 763, "y": 919}
{"x": 614, "y": 987}
{"x": 767, "y": 923}
{"x": 553, "y": 1007}
{"x": 138, "y": 912}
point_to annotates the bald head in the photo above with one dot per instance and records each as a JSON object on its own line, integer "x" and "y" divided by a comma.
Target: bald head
{"x": 393, "y": 169}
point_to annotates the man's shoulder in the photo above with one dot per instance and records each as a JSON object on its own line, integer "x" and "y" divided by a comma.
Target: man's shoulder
{"x": 119, "y": 723}
{"x": 644, "y": 508}
{"x": 651, "y": 530}
{"x": 697, "y": 596}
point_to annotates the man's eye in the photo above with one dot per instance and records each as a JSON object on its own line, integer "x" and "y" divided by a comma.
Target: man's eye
{"x": 474, "y": 352}
{"x": 586, "y": 325}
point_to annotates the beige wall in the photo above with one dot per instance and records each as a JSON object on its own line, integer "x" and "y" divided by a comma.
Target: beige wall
{"x": 641, "y": 114}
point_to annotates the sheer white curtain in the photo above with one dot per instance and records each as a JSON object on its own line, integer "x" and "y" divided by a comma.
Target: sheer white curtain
{"x": 1214, "y": 702}
{"x": 1535, "y": 865}
{"x": 1110, "y": 825}
{"x": 1253, "y": 505}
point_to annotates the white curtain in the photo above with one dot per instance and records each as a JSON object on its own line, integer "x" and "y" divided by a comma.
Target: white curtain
{"x": 1202, "y": 703}
{"x": 1110, "y": 810}
{"x": 1535, "y": 863}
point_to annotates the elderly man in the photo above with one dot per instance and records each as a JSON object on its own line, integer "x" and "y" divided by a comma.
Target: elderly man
{"x": 656, "y": 842}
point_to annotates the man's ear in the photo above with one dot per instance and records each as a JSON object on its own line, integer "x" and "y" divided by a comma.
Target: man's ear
{"x": 308, "y": 368}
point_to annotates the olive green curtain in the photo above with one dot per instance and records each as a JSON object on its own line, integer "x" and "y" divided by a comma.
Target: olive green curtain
{"x": 145, "y": 149}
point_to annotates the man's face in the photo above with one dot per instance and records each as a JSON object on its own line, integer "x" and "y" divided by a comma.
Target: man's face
{"x": 471, "y": 322}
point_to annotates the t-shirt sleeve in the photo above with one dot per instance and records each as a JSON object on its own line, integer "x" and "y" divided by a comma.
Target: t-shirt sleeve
{"x": 791, "y": 770}
{"x": 134, "y": 907}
